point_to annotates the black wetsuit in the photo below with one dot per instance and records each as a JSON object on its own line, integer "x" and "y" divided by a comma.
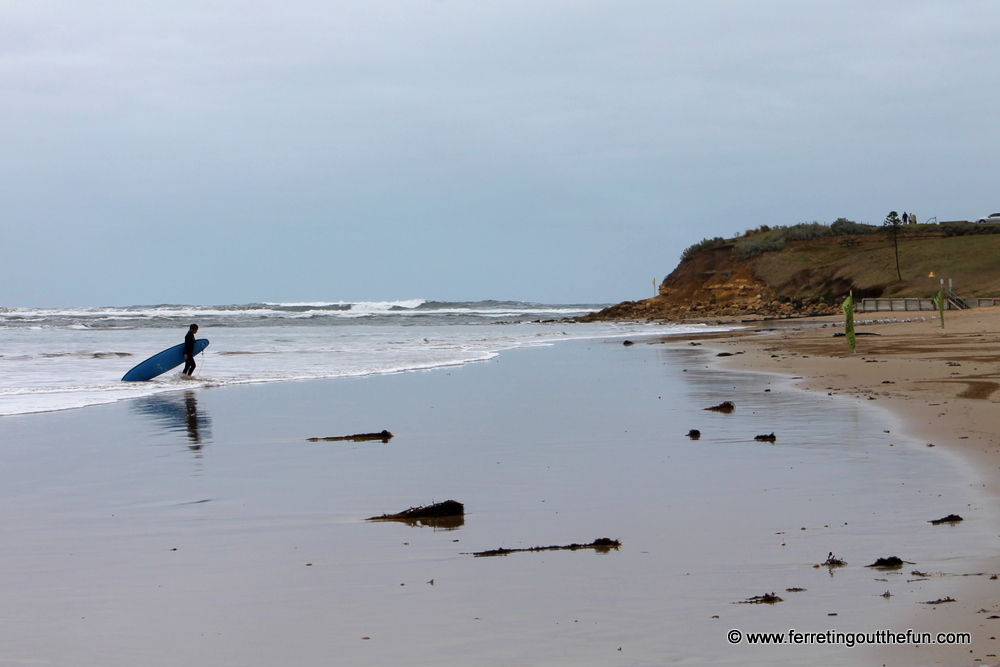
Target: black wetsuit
{"x": 189, "y": 353}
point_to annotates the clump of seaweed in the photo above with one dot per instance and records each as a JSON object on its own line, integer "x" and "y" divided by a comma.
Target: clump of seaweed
{"x": 833, "y": 561}
{"x": 694, "y": 434}
{"x": 766, "y": 598}
{"x": 384, "y": 436}
{"x": 795, "y": 589}
{"x": 890, "y": 563}
{"x": 725, "y": 407}
{"x": 951, "y": 518}
{"x": 602, "y": 545}
{"x": 766, "y": 438}
{"x": 448, "y": 508}
{"x": 939, "y": 600}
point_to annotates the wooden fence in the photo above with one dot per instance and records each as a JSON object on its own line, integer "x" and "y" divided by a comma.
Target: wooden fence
{"x": 902, "y": 304}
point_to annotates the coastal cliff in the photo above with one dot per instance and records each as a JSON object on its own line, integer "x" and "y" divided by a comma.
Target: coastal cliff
{"x": 772, "y": 273}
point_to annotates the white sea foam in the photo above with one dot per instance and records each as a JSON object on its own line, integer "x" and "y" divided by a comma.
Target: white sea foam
{"x": 239, "y": 315}
{"x": 56, "y": 359}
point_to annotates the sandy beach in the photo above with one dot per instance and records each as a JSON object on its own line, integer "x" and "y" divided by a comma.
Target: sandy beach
{"x": 942, "y": 385}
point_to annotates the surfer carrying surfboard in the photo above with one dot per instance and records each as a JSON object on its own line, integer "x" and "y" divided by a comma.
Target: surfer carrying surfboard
{"x": 158, "y": 364}
{"x": 189, "y": 350}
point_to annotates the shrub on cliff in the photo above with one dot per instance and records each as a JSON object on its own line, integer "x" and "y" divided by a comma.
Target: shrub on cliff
{"x": 776, "y": 238}
{"x": 704, "y": 244}
{"x": 758, "y": 244}
{"x": 845, "y": 227}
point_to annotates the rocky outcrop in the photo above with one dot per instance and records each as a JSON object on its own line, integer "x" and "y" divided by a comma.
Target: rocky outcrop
{"x": 659, "y": 308}
{"x": 712, "y": 285}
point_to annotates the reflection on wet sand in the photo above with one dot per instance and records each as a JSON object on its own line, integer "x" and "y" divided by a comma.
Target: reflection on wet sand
{"x": 444, "y": 523}
{"x": 178, "y": 412}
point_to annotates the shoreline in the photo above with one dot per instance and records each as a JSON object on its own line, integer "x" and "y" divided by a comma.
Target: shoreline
{"x": 942, "y": 386}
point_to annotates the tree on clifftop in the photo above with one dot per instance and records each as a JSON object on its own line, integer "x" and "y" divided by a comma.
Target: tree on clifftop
{"x": 893, "y": 226}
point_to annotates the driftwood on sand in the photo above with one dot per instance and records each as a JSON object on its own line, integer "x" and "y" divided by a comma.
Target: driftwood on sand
{"x": 384, "y": 436}
{"x": 602, "y": 545}
{"x": 766, "y": 598}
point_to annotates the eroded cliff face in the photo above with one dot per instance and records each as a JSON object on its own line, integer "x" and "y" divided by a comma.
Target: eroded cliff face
{"x": 713, "y": 284}
{"x": 713, "y": 277}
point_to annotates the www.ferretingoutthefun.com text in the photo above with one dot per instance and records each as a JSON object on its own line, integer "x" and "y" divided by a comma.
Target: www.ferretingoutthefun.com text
{"x": 849, "y": 639}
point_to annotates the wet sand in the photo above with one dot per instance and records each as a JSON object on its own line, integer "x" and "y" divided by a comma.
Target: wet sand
{"x": 942, "y": 384}
{"x": 204, "y": 528}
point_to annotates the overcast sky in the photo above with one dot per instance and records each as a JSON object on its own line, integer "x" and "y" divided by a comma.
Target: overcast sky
{"x": 231, "y": 152}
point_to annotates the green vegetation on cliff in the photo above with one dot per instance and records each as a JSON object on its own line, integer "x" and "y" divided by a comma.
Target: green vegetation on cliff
{"x": 763, "y": 239}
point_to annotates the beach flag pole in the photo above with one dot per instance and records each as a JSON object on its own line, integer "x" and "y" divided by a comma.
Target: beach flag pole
{"x": 852, "y": 340}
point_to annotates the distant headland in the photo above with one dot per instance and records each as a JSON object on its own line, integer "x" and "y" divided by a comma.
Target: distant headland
{"x": 807, "y": 269}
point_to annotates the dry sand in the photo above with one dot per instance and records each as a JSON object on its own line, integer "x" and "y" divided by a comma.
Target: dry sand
{"x": 942, "y": 384}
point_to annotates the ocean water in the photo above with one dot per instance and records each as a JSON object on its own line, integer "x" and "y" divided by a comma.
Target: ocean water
{"x": 54, "y": 359}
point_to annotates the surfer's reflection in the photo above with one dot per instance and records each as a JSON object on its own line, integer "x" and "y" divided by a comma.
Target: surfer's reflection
{"x": 178, "y": 412}
{"x": 191, "y": 412}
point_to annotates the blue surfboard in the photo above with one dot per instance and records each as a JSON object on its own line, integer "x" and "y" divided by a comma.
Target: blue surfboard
{"x": 158, "y": 364}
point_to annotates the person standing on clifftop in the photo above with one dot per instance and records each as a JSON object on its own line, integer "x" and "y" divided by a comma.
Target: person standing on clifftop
{"x": 189, "y": 364}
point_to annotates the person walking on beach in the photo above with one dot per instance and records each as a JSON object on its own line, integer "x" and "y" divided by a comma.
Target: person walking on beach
{"x": 189, "y": 364}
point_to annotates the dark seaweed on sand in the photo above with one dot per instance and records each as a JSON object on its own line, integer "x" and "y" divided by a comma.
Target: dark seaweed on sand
{"x": 766, "y": 598}
{"x": 940, "y": 601}
{"x": 725, "y": 407}
{"x": 766, "y": 438}
{"x": 602, "y": 545}
{"x": 833, "y": 561}
{"x": 951, "y": 518}
{"x": 384, "y": 436}
{"x": 694, "y": 434}
{"x": 890, "y": 563}
{"x": 448, "y": 508}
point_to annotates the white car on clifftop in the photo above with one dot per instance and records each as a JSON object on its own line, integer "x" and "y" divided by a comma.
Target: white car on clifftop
{"x": 992, "y": 218}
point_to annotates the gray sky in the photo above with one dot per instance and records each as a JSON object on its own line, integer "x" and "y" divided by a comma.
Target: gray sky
{"x": 230, "y": 152}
